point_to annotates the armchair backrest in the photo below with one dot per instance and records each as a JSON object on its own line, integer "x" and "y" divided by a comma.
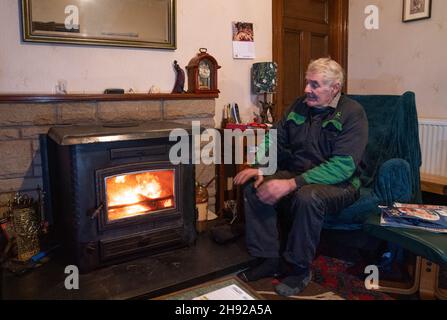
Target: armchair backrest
{"x": 393, "y": 133}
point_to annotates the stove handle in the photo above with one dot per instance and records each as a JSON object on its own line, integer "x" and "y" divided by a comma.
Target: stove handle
{"x": 94, "y": 213}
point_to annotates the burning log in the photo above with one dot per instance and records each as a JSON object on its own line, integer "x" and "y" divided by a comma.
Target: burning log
{"x": 157, "y": 203}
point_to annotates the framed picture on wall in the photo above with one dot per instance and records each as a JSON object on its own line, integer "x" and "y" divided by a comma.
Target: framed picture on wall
{"x": 137, "y": 23}
{"x": 416, "y": 10}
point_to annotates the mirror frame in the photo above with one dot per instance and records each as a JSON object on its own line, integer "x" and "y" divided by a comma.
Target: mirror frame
{"x": 29, "y": 36}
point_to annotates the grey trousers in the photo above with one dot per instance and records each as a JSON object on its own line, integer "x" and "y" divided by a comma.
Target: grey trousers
{"x": 300, "y": 217}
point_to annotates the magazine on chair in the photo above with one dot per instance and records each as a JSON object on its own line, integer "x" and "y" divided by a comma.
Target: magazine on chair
{"x": 416, "y": 216}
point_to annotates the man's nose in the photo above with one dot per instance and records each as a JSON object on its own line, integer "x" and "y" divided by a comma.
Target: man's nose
{"x": 307, "y": 89}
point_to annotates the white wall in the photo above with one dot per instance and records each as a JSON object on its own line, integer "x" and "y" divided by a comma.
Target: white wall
{"x": 36, "y": 68}
{"x": 400, "y": 56}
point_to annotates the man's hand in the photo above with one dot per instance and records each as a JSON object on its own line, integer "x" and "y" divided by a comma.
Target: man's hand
{"x": 272, "y": 191}
{"x": 247, "y": 174}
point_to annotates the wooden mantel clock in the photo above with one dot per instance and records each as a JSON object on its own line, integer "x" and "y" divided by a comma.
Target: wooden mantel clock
{"x": 202, "y": 73}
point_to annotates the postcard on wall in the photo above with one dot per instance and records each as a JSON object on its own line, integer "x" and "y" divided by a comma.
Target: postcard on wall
{"x": 243, "y": 40}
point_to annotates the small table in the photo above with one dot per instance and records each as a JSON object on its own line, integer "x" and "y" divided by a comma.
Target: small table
{"x": 430, "y": 249}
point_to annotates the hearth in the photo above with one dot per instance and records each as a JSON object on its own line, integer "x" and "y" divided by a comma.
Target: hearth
{"x": 114, "y": 195}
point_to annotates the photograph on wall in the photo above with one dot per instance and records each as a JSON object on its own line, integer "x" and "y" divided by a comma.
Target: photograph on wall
{"x": 243, "y": 40}
{"x": 416, "y": 10}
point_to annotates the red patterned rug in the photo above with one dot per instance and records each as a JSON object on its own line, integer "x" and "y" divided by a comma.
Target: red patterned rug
{"x": 334, "y": 275}
{"x": 333, "y": 279}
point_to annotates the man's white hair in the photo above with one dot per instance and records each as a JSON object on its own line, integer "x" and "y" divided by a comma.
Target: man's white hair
{"x": 332, "y": 72}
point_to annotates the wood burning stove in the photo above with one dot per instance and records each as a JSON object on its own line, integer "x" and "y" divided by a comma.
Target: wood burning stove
{"x": 115, "y": 195}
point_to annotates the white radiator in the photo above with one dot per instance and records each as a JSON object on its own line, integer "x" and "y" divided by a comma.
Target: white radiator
{"x": 433, "y": 139}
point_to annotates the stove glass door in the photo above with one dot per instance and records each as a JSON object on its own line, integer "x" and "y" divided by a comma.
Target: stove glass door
{"x": 139, "y": 193}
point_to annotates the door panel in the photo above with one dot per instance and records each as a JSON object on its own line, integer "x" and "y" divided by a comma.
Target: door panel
{"x": 304, "y": 30}
{"x": 311, "y": 10}
{"x": 318, "y": 46}
{"x": 293, "y": 79}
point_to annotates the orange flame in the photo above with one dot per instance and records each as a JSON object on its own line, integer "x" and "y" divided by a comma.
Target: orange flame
{"x": 132, "y": 194}
{"x": 168, "y": 203}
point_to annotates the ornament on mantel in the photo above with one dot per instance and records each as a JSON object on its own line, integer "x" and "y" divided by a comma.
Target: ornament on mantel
{"x": 154, "y": 89}
{"x": 179, "y": 80}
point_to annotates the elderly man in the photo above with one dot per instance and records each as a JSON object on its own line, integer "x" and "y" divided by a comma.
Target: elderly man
{"x": 321, "y": 141}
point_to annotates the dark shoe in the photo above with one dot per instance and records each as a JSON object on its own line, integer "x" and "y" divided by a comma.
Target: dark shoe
{"x": 294, "y": 283}
{"x": 268, "y": 267}
{"x": 226, "y": 233}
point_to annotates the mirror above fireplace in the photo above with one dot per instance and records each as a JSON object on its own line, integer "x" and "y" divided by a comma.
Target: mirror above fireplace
{"x": 130, "y": 23}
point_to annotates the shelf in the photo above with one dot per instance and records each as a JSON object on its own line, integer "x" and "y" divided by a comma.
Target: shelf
{"x": 434, "y": 184}
{"x": 48, "y": 98}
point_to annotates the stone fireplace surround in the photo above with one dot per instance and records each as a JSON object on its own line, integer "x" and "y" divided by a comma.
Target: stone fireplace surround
{"x": 24, "y": 117}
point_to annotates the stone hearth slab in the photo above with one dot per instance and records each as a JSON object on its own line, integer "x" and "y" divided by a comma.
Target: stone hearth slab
{"x": 141, "y": 278}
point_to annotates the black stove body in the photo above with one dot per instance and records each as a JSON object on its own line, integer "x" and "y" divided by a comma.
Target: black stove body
{"x": 88, "y": 165}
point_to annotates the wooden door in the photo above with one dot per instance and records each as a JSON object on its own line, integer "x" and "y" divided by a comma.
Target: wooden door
{"x": 304, "y": 30}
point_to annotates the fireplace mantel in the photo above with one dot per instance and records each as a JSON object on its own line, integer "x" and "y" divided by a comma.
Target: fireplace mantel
{"x": 48, "y": 98}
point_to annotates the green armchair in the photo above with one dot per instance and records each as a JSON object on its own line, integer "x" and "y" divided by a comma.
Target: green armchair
{"x": 390, "y": 166}
{"x": 390, "y": 172}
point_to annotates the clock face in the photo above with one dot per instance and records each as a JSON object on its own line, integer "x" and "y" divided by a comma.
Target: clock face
{"x": 204, "y": 75}
{"x": 204, "y": 70}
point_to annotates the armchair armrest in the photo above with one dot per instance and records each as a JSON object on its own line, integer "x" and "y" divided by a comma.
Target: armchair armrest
{"x": 394, "y": 182}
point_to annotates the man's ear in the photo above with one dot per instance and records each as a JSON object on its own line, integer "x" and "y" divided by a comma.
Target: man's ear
{"x": 336, "y": 87}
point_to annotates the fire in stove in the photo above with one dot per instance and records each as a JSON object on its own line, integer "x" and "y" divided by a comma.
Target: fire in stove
{"x": 139, "y": 193}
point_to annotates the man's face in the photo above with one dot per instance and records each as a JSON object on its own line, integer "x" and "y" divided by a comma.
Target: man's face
{"x": 317, "y": 92}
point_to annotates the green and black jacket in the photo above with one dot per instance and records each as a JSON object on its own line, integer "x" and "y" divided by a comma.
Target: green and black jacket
{"x": 322, "y": 145}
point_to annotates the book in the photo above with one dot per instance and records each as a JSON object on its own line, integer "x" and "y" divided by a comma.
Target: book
{"x": 235, "y": 113}
{"x": 431, "y": 218}
{"x": 231, "y": 292}
{"x": 227, "y": 288}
